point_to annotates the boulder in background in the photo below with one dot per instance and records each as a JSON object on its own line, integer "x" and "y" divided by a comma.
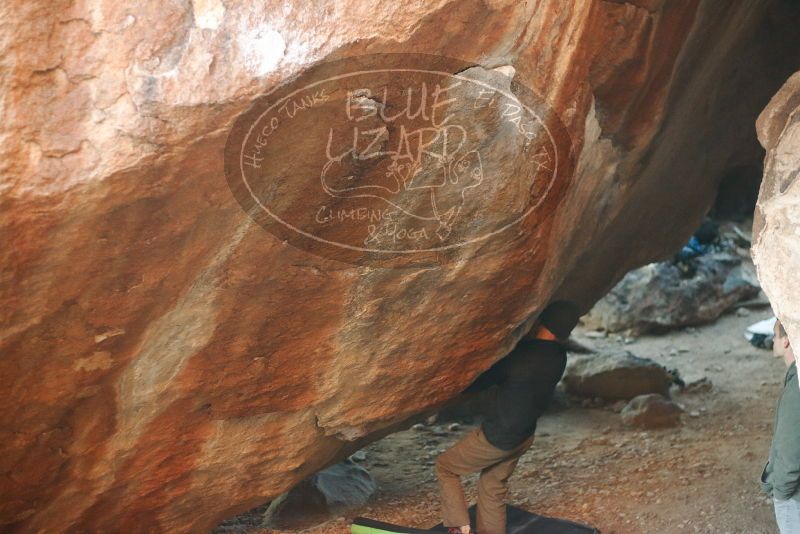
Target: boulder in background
{"x": 658, "y": 296}
{"x": 615, "y": 376}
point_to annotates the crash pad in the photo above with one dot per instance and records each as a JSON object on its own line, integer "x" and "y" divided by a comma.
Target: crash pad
{"x": 519, "y": 521}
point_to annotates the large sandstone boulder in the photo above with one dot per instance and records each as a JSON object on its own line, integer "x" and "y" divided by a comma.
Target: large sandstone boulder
{"x": 167, "y": 363}
{"x": 776, "y": 238}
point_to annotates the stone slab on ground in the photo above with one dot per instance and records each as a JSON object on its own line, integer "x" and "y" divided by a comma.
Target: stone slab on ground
{"x": 614, "y": 376}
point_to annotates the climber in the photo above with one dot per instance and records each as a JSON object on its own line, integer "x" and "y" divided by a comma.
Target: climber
{"x": 525, "y": 380}
{"x": 781, "y": 476}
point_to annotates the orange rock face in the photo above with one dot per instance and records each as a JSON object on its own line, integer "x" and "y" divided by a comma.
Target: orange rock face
{"x": 167, "y": 362}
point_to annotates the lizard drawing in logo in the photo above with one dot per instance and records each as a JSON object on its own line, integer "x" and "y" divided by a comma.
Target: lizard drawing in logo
{"x": 426, "y": 177}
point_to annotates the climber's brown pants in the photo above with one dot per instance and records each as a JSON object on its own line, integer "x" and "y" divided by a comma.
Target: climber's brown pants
{"x": 473, "y": 453}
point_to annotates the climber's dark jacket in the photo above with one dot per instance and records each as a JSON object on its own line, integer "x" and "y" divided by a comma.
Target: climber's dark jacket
{"x": 781, "y": 476}
{"x": 525, "y": 380}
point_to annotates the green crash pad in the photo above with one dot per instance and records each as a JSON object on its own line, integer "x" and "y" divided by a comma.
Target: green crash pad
{"x": 519, "y": 521}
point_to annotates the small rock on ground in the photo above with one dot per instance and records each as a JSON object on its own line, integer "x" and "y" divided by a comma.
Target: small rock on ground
{"x": 651, "y": 411}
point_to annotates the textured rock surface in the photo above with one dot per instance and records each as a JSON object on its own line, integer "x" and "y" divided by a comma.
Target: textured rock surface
{"x": 621, "y": 375}
{"x": 651, "y": 411}
{"x": 655, "y": 298}
{"x": 332, "y": 490}
{"x": 171, "y": 364}
{"x": 776, "y": 239}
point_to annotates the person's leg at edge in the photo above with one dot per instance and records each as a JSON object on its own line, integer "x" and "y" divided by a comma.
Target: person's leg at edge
{"x": 492, "y": 490}
{"x": 473, "y": 453}
{"x": 787, "y": 515}
{"x": 450, "y": 466}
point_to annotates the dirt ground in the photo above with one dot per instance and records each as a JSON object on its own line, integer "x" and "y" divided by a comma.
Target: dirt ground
{"x": 586, "y": 466}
